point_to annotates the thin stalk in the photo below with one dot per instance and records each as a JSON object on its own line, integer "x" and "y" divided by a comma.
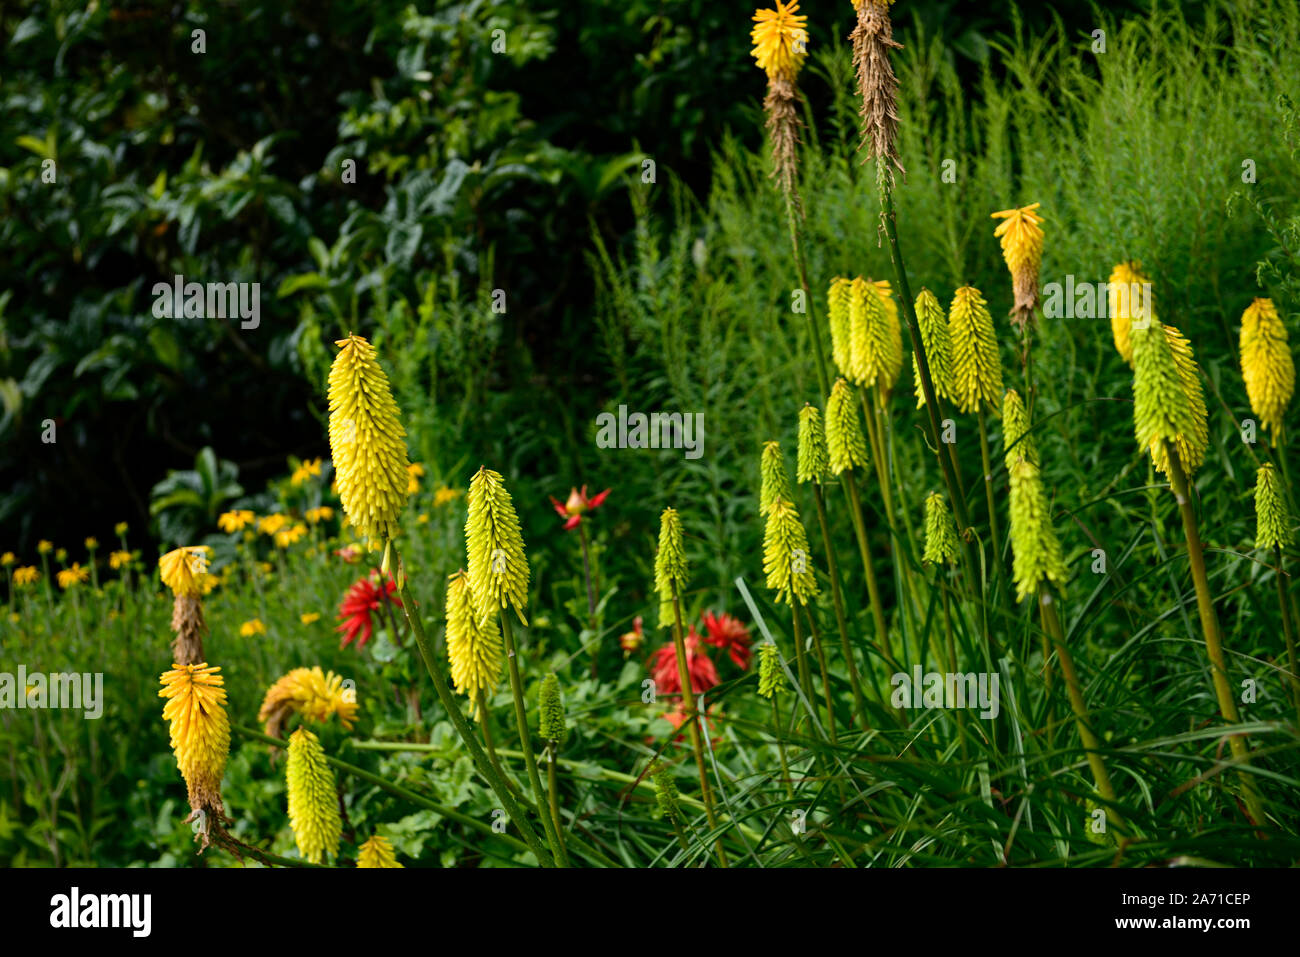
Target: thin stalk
{"x": 552, "y": 788}
{"x": 1091, "y": 743}
{"x": 837, "y": 599}
{"x": 530, "y": 759}
{"x": 800, "y": 655}
{"x": 1210, "y": 626}
{"x": 496, "y": 781}
{"x": 1288, "y": 631}
{"x": 780, "y": 748}
{"x": 591, "y": 597}
{"x": 826, "y": 673}
{"x": 873, "y": 590}
{"x": 485, "y": 724}
{"x": 995, "y": 533}
{"x": 693, "y": 719}
{"x": 793, "y": 218}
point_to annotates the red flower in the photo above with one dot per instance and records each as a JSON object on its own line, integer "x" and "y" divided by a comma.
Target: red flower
{"x": 701, "y": 670}
{"x": 577, "y": 506}
{"x": 349, "y": 553}
{"x": 361, "y": 599}
{"x": 630, "y": 641}
{"x": 725, "y": 631}
{"x": 677, "y": 718}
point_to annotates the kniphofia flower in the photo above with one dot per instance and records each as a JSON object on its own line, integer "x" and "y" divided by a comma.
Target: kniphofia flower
{"x": 873, "y": 38}
{"x": 474, "y": 648}
{"x": 1168, "y": 401}
{"x": 773, "y": 482}
{"x": 1021, "y": 234}
{"x": 1272, "y": 521}
{"x": 498, "y": 568}
{"x": 377, "y": 852}
{"x": 314, "y": 694}
{"x": 771, "y": 679}
{"x": 780, "y": 45}
{"x": 1266, "y": 362}
{"x": 361, "y": 600}
{"x": 814, "y": 460}
{"x": 367, "y": 441}
{"x": 199, "y": 731}
{"x": 1017, "y": 439}
{"x": 578, "y": 504}
{"x": 976, "y": 365}
{"x": 184, "y": 570}
{"x": 670, "y": 565}
{"x": 551, "y": 725}
{"x": 313, "y": 798}
{"x": 1128, "y": 297}
{"x": 846, "y": 446}
{"x": 785, "y": 555}
{"x": 780, "y": 40}
{"x": 941, "y": 543}
{"x": 837, "y": 307}
{"x": 1036, "y": 551}
{"x": 937, "y": 342}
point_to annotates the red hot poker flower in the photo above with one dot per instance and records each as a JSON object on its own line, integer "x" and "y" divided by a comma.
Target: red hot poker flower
{"x": 728, "y": 632}
{"x": 701, "y": 670}
{"x": 365, "y": 596}
{"x": 579, "y": 504}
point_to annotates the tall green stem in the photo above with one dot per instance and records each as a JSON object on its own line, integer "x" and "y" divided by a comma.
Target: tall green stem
{"x": 837, "y": 599}
{"x": 1288, "y": 630}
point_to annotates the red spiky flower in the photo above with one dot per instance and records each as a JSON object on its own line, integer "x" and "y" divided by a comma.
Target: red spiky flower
{"x": 579, "y": 504}
{"x": 702, "y": 672}
{"x": 365, "y": 596}
{"x": 729, "y": 633}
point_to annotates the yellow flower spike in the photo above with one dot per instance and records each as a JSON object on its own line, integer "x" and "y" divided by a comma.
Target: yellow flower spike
{"x": 1017, "y": 439}
{"x": 774, "y": 483}
{"x": 1021, "y": 235}
{"x": 670, "y": 565}
{"x": 845, "y": 443}
{"x": 941, "y": 543}
{"x": 838, "y": 297}
{"x": 473, "y": 649}
{"x": 1128, "y": 294}
{"x": 314, "y": 694}
{"x": 367, "y": 441}
{"x": 199, "y": 729}
{"x": 932, "y": 323}
{"x": 1266, "y": 362}
{"x": 813, "y": 464}
{"x": 1168, "y": 400}
{"x": 313, "y": 798}
{"x": 976, "y": 365}
{"x": 771, "y": 679}
{"x": 185, "y": 570}
{"x": 780, "y": 39}
{"x": 377, "y": 852}
{"x": 498, "y": 568}
{"x": 1272, "y": 521}
{"x": 894, "y": 335}
{"x": 786, "y": 561}
{"x": 871, "y": 346}
{"x": 1036, "y": 551}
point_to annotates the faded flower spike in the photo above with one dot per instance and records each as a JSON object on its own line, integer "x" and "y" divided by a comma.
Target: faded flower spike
{"x": 937, "y": 342}
{"x": 551, "y": 725}
{"x": 941, "y": 543}
{"x": 1266, "y": 362}
{"x": 498, "y": 568}
{"x": 1128, "y": 297}
{"x": 670, "y": 565}
{"x": 313, "y": 798}
{"x": 1036, "y": 552}
{"x": 780, "y": 45}
{"x": 200, "y": 734}
{"x": 774, "y": 483}
{"x": 377, "y": 852}
{"x": 845, "y": 443}
{"x": 1272, "y": 523}
{"x": 785, "y": 555}
{"x": 1168, "y": 404}
{"x": 367, "y": 441}
{"x": 873, "y": 38}
{"x": 473, "y": 648}
{"x": 837, "y": 307}
{"x": 1017, "y": 439}
{"x": 976, "y": 365}
{"x": 771, "y": 679}
{"x": 813, "y": 464}
{"x": 1022, "y": 248}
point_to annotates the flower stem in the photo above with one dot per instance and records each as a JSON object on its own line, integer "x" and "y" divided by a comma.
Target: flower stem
{"x": 496, "y": 781}
{"x": 873, "y": 590}
{"x": 552, "y": 788}
{"x": 1288, "y": 629}
{"x": 693, "y": 719}
{"x": 530, "y": 759}
{"x": 837, "y": 599}
{"x": 591, "y": 597}
{"x": 1238, "y": 742}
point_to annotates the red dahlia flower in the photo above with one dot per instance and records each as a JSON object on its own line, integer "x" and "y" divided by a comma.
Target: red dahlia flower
{"x": 701, "y": 670}
{"x": 364, "y": 597}
{"x": 578, "y": 505}
{"x": 727, "y": 632}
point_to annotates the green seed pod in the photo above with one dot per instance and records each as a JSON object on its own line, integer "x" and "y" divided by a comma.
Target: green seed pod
{"x": 666, "y": 792}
